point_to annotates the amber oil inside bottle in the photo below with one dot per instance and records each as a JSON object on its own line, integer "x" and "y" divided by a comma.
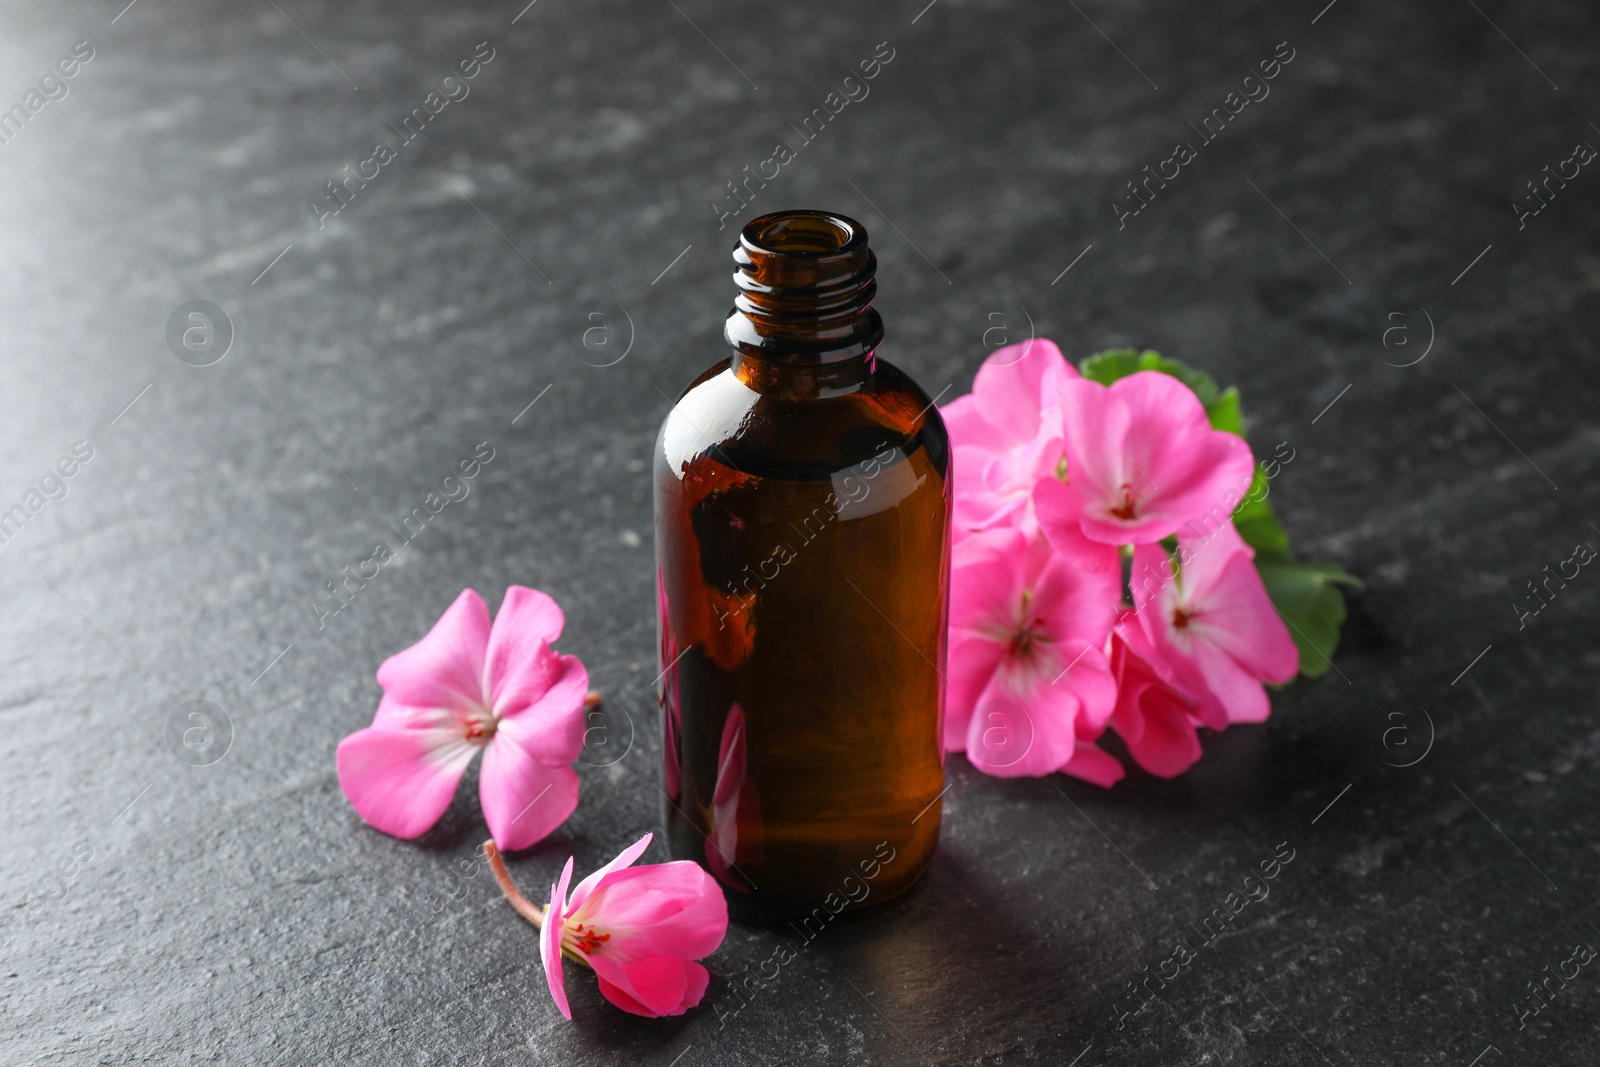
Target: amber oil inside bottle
{"x": 802, "y": 542}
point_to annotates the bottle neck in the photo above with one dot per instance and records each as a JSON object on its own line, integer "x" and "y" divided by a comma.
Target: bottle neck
{"x": 803, "y": 381}
{"x": 803, "y": 318}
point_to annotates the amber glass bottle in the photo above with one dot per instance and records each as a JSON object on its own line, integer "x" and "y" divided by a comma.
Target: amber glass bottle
{"x": 802, "y": 503}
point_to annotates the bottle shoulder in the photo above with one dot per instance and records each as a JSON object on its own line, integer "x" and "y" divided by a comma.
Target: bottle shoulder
{"x": 772, "y": 434}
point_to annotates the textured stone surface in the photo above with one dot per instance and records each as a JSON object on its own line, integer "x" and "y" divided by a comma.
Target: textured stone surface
{"x": 240, "y": 912}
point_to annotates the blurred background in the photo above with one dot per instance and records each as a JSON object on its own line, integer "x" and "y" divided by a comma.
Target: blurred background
{"x": 270, "y": 270}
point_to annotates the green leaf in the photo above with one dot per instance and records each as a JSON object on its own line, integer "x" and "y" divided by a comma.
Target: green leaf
{"x": 1113, "y": 364}
{"x": 1258, "y": 524}
{"x": 1266, "y": 535}
{"x": 1307, "y": 596}
{"x": 1224, "y": 412}
{"x": 1222, "y": 406}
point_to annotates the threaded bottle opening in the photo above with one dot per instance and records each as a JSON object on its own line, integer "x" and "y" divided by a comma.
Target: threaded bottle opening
{"x": 805, "y": 234}
{"x": 806, "y": 286}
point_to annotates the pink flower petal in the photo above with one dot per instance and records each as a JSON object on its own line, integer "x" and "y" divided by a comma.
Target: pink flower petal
{"x": 1239, "y": 619}
{"x": 402, "y": 780}
{"x": 1076, "y": 598}
{"x": 1202, "y": 482}
{"x": 1013, "y": 737}
{"x": 1205, "y": 553}
{"x": 964, "y": 421}
{"x": 1153, "y": 720}
{"x": 1152, "y": 581}
{"x": 1007, "y": 434}
{"x": 653, "y": 987}
{"x": 1058, "y": 510}
{"x": 626, "y": 858}
{"x": 1087, "y": 676}
{"x": 978, "y": 509}
{"x": 696, "y": 979}
{"x": 1155, "y": 398}
{"x": 971, "y": 662}
{"x": 1190, "y": 687}
{"x": 530, "y": 613}
{"x": 1018, "y": 381}
{"x": 550, "y": 940}
{"x": 1093, "y": 764}
{"x": 1028, "y": 622}
{"x": 986, "y": 578}
{"x": 526, "y": 625}
{"x": 523, "y": 799}
{"x": 620, "y": 997}
{"x": 446, "y": 668}
{"x": 995, "y": 486}
{"x": 1095, "y": 426}
{"x": 1176, "y": 655}
{"x": 549, "y": 727}
{"x": 1237, "y": 693}
{"x": 1231, "y": 639}
{"x": 393, "y": 713}
{"x": 659, "y": 908}
{"x": 1097, "y": 561}
{"x": 1144, "y": 443}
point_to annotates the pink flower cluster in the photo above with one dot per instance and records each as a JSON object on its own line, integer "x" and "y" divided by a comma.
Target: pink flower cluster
{"x": 1058, "y": 481}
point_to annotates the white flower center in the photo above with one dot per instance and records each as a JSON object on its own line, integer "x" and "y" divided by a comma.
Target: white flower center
{"x": 477, "y": 724}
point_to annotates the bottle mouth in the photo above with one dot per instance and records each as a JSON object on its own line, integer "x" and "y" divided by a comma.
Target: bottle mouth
{"x": 806, "y": 285}
{"x": 804, "y": 233}
{"x": 815, "y": 252}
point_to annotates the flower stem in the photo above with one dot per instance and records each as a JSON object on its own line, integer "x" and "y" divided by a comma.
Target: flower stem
{"x": 525, "y": 907}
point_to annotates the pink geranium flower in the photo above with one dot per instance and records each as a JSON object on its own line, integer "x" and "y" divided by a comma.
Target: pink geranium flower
{"x": 1029, "y": 686}
{"x": 1156, "y": 722}
{"x": 1143, "y": 460}
{"x": 640, "y": 929}
{"x": 1006, "y": 434}
{"x": 1212, "y": 624}
{"x": 469, "y": 686}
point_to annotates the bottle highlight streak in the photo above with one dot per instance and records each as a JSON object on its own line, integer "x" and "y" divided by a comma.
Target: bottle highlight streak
{"x": 802, "y": 502}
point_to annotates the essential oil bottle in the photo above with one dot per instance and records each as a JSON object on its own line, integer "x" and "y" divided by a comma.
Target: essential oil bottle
{"x": 802, "y": 499}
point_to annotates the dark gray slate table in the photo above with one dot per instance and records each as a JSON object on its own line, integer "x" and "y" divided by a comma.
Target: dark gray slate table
{"x": 240, "y": 912}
